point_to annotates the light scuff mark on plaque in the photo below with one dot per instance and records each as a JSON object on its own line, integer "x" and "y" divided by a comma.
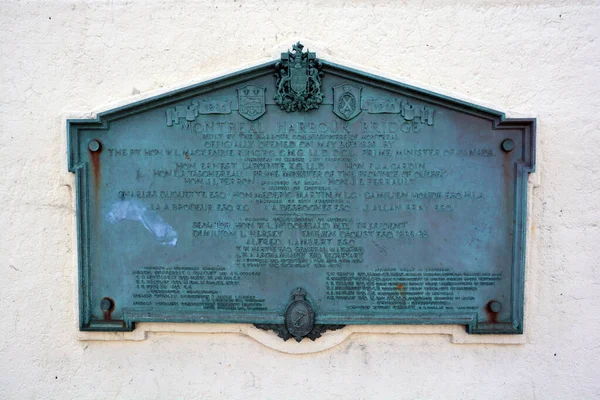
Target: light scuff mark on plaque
{"x": 133, "y": 210}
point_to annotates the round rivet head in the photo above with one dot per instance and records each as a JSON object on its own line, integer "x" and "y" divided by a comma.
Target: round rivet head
{"x": 94, "y": 145}
{"x": 495, "y": 306}
{"x": 106, "y": 304}
{"x": 508, "y": 145}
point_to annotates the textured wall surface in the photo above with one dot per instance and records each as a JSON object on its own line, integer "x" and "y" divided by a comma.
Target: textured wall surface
{"x": 73, "y": 58}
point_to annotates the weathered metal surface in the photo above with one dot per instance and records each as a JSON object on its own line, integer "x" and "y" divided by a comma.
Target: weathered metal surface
{"x": 385, "y": 203}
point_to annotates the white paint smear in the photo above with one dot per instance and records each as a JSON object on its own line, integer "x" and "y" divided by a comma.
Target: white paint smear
{"x": 133, "y": 210}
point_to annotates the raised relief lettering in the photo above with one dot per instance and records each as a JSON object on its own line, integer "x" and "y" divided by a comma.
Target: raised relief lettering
{"x": 423, "y": 114}
{"x": 189, "y": 113}
{"x": 259, "y": 215}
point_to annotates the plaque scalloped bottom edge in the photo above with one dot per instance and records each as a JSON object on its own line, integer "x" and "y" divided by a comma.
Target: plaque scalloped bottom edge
{"x": 456, "y": 334}
{"x": 282, "y": 331}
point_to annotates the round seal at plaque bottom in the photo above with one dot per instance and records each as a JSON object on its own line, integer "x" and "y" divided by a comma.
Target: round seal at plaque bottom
{"x": 299, "y": 315}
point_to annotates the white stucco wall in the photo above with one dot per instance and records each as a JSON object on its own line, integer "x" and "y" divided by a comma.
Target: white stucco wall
{"x": 528, "y": 58}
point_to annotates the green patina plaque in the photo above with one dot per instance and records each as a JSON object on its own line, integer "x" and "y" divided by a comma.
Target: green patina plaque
{"x": 302, "y": 196}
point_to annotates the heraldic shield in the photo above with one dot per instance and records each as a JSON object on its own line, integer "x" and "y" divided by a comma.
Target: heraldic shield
{"x": 298, "y": 77}
{"x": 251, "y": 101}
{"x": 346, "y": 101}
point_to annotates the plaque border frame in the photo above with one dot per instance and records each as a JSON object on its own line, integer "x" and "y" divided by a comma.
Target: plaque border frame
{"x": 522, "y": 168}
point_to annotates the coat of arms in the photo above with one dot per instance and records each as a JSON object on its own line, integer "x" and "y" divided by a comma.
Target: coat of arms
{"x": 346, "y": 101}
{"x": 251, "y": 101}
{"x": 298, "y": 80}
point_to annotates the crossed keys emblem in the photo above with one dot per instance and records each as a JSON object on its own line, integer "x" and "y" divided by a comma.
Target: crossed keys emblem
{"x": 298, "y": 321}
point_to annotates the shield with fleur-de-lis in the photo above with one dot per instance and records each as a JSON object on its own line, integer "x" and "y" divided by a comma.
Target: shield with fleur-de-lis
{"x": 251, "y": 101}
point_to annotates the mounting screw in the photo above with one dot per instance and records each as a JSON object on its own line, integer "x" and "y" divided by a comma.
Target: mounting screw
{"x": 508, "y": 145}
{"x": 106, "y": 304}
{"x": 495, "y": 306}
{"x": 94, "y": 145}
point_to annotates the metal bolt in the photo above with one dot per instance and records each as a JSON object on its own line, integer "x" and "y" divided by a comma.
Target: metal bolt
{"x": 508, "y": 145}
{"x": 94, "y": 145}
{"x": 495, "y": 306}
{"x": 106, "y": 304}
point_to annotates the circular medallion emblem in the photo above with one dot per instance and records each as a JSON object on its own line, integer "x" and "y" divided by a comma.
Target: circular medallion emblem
{"x": 299, "y": 318}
